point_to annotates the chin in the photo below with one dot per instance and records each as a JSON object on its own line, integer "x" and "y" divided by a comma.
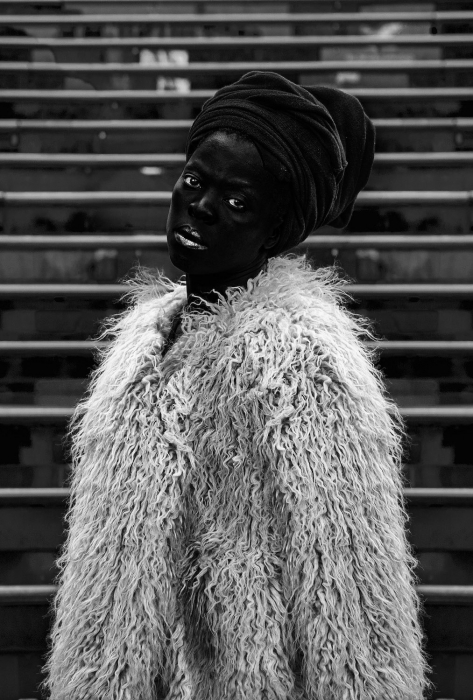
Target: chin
{"x": 182, "y": 259}
{"x": 178, "y": 261}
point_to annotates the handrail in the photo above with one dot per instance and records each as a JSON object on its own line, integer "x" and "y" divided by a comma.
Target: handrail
{"x": 425, "y": 159}
{"x": 422, "y": 347}
{"x": 414, "y": 496}
{"x": 35, "y": 414}
{"x": 153, "y": 18}
{"x": 53, "y": 347}
{"x": 183, "y": 125}
{"x": 233, "y": 67}
{"x": 440, "y": 594}
{"x": 313, "y": 41}
{"x": 44, "y": 496}
{"x": 158, "y": 241}
{"x": 402, "y": 124}
{"x": 199, "y": 96}
{"x": 94, "y": 160}
{"x": 108, "y": 198}
{"x": 87, "y": 347}
{"x": 73, "y": 4}
{"x": 140, "y": 160}
{"x": 431, "y": 593}
{"x": 357, "y": 291}
{"x": 68, "y": 4}
{"x": 19, "y": 199}
{"x": 431, "y": 415}
{"x": 81, "y": 291}
{"x": 439, "y": 496}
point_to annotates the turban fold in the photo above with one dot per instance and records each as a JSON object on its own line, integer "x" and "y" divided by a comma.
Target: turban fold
{"x": 317, "y": 139}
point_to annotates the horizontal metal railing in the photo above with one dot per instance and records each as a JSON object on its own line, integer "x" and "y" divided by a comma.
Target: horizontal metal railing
{"x": 158, "y": 241}
{"x": 414, "y": 496}
{"x": 109, "y": 198}
{"x": 198, "y": 97}
{"x": 422, "y": 347}
{"x": 225, "y": 42}
{"x": 53, "y": 347}
{"x": 416, "y": 415}
{"x": 153, "y": 18}
{"x": 211, "y": 68}
{"x": 86, "y": 347}
{"x": 357, "y": 291}
{"x": 42, "y": 594}
{"x": 67, "y": 5}
{"x": 140, "y": 160}
{"x": 105, "y": 126}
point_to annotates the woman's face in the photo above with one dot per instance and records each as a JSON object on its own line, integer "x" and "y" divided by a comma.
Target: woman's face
{"x": 222, "y": 215}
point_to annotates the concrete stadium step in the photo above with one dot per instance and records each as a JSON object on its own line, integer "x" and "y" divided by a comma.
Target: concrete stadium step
{"x": 459, "y": 159}
{"x": 48, "y": 373}
{"x": 182, "y": 126}
{"x": 358, "y": 291}
{"x": 238, "y": 42}
{"x": 34, "y": 594}
{"x": 421, "y": 95}
{"x": 451, "y": 661}
{"x": 387, "y": 347}
{"x": 270, "y": 18}
{"x": 417, "y": 415}
{"x": 114, "y": 136}
{"x": 61, "y": 316}
{"x": 158, "y": 241}
{"x": 40, "y": 466}
{"x": 104, "y": 198}
{"x": 86, "y": 347}
{"x": 232, "y": 68}
{"x": 199, "y": 6}
{"x": 32, "y": 520}
{"x": 24, "y": 629}
{"x": 413, "y": 496}
{"x": 43, "y": 327}
{"x": 439, "y": 210}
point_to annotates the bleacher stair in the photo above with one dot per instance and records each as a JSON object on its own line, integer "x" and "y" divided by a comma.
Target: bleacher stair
{"x": 96, "y": 97}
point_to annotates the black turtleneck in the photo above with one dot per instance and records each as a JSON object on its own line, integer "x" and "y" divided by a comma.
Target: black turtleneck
{"x": 206, "y": 286}
{"x": 202, "y": 288}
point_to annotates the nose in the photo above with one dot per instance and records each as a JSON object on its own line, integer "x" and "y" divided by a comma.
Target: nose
{"x": 202, "y": 210}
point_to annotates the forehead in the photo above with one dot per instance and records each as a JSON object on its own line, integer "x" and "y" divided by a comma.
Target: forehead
{"x": 227, "y": 156}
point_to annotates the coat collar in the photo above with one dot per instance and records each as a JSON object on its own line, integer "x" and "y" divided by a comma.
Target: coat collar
{"x": 288, "y": 283}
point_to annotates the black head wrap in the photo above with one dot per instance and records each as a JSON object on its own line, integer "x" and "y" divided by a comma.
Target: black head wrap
{"x": 317, "y": 139}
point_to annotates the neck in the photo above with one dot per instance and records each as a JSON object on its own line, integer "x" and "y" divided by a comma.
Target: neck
{"x": 206, "y": 286}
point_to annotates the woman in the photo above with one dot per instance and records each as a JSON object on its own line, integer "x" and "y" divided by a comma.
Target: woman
{"x": 236, "y": 529}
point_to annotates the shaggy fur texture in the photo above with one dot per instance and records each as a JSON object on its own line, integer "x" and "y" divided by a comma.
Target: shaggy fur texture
{"x": 236, "y": 525}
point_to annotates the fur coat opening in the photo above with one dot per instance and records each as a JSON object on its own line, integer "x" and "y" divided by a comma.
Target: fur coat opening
{"x": 236, "y": 529}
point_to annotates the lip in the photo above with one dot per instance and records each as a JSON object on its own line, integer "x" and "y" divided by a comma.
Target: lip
{"x": 189, "y": 231}
{"x": 189, "y": 237}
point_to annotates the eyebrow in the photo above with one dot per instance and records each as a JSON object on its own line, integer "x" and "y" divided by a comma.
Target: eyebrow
{"x": 233, "y": 182}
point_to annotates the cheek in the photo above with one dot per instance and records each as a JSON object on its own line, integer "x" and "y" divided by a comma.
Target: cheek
{"x": 178, "y": 201}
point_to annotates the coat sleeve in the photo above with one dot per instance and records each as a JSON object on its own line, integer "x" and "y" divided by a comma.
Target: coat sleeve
{"x": 332, "y": 443}
{"x": 115, "y": 603}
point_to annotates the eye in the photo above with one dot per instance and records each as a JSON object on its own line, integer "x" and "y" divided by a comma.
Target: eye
{"x": 236, "y": 203}
{"x": 191, "y": 181}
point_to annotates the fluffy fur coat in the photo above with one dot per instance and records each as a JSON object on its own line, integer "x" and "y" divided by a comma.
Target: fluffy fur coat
{"x": 236, "y": 528}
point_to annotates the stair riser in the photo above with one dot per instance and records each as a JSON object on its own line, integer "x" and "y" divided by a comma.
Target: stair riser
{"x": 21, "y": 674}
{"x": 76, "y": 178}
{"x": 172, "y": 140}
{"x": 39, "y": 568}
{"x": 40, "y": 528}
{"x": 114, "y": 218}
{"x": 24, "y": 628}
{"x": 69, "y": 318}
